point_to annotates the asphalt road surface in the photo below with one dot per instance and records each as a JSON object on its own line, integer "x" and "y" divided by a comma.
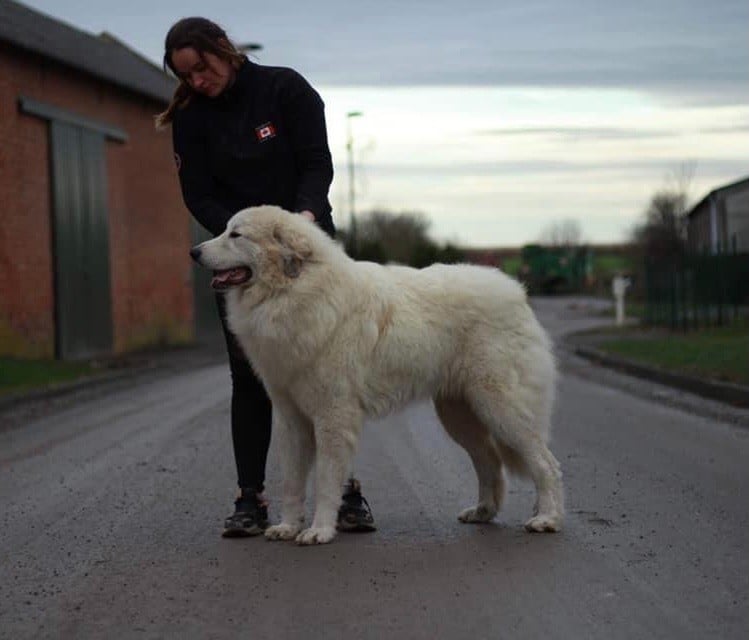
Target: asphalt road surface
{"x": 111, "y": 506}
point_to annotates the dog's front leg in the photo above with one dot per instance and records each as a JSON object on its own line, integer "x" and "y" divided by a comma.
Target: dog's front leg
{"x": 335, "y": 435}
{"x": 297, "y": 452}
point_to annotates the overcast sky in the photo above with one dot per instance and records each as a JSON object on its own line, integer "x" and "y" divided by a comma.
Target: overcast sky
{"x": 497, "y": 118}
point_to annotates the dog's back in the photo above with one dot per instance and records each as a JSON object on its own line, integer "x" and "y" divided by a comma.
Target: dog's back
{"x": 440, "y": 329}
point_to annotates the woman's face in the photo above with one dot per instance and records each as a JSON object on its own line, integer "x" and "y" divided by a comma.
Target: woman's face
{"x": 208, "y": 75}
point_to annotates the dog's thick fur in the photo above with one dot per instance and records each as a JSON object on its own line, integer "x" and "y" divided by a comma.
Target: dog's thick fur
{"x": 335, "y": 340}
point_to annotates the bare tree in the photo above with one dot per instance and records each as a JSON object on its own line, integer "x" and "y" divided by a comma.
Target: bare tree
{"x": 662, "y": 234}
{"x": 680, "y": 180}
{"x": 562, "y": 233}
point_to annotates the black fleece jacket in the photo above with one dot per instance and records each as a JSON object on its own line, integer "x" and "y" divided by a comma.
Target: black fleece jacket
{"x": 262, "y": 141}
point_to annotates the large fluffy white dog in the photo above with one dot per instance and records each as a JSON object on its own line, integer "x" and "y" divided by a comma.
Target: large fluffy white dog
{"x": 335, "y": 340}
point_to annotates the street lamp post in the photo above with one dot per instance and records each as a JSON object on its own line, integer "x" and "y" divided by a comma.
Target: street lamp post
{"x": 351, "y": 188}
{"x": 249, "y": 46}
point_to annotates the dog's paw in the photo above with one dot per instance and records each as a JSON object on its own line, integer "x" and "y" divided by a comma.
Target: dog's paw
{"x": 544, "y": 523}
{"x": 316, "y": 535}
{"x": 479, "y": 513}
{"x": 282, "y": 531}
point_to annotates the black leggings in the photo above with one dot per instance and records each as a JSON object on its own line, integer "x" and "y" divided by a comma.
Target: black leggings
{"x": 250, "y": 412}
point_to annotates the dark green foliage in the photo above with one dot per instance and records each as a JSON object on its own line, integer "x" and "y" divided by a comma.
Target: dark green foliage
{"x": 403, "y": 238}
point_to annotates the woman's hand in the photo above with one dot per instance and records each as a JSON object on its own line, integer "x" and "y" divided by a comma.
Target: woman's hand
{"x": 308, "y": 214}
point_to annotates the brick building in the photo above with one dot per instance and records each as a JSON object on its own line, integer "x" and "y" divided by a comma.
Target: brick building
{"x": 94, "y": 237}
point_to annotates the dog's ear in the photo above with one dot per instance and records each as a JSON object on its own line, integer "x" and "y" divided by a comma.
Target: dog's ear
{"x": 295, "y": 249}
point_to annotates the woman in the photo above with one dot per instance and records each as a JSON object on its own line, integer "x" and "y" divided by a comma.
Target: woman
{"x": 244, "y": 135}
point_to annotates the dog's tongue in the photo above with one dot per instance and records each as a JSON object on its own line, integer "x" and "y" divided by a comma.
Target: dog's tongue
{"x": 223, "y": 279}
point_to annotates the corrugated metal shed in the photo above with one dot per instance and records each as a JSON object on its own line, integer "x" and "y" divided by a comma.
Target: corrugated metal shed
{"x": 102, "y": 56}
{"x": 720, "y": 220}
{"x": 728, "y": 189}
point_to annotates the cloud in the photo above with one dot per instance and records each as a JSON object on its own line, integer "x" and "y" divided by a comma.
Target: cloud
{"x": 595, "y": 133}
{"x": 685, "y": 51}
{"x": 692, "y": 74}
{"x": 625, "y": 168}
{"x": 741, "y": 128}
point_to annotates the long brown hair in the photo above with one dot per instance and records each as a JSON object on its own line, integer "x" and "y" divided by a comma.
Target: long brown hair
{"x": 204, "y": 36}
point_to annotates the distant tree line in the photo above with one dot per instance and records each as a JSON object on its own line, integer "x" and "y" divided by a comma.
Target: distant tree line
{"x": 399, "y": 237}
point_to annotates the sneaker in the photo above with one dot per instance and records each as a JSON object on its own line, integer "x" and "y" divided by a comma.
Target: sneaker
{"x": 354, "y": 513}
{"x": 250, "y": 517}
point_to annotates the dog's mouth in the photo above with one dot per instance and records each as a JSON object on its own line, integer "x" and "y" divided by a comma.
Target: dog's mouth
{"x": 227, "y": 278}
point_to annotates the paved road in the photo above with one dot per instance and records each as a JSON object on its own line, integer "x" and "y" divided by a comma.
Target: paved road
{"x": 111, "y": 506}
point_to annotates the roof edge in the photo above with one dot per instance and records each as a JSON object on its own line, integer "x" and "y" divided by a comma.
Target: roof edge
{"x": 719, "y": 191}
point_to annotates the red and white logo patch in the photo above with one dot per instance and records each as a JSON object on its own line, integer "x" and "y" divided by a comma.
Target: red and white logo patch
{"x": 265, "y": 132}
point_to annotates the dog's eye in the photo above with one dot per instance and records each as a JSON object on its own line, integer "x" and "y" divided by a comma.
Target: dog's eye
{"x": 234, "y": 234}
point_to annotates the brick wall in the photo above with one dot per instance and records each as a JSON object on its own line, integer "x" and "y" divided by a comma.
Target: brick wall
{"x": 149, "y": 230}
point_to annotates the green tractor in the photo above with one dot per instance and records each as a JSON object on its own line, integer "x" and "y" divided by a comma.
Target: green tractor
{"x": 555, "y": 270}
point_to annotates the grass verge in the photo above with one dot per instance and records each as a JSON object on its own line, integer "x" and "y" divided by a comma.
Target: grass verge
{"x": 23, "y": 375}
{"x": 720, "y": 353}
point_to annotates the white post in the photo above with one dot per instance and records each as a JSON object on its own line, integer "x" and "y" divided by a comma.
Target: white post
{"x": 619, "y": 287}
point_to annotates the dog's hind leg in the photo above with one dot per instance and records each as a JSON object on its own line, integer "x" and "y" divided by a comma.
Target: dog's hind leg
{"x": 297, "y": 452}
{"x": 469, "y": 432}
{"x": 336, "y": 435}
{"x": 519, "y": 421}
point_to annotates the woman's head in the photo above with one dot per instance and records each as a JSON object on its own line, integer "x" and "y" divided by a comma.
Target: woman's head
{"x": 199, "y": 53}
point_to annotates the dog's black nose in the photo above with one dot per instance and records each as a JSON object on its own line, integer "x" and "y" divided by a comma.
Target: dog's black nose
{"x": 195, "y": 254}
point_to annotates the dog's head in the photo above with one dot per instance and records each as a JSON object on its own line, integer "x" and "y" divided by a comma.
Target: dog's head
{"x": 260, "y": 246}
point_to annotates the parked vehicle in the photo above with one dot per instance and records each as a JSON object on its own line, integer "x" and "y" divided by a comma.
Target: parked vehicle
{"x": 550, "y": 270}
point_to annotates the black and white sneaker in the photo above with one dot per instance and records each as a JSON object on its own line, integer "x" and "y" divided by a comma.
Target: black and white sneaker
{"x": 354, "y": 513}
{"x": 250, "y": 517}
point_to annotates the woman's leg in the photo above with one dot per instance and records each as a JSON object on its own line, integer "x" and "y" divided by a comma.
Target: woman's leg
{"x": 251, "y": 431}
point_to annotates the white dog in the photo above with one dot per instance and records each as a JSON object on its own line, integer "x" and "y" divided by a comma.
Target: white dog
{"x": 335, "y": 340}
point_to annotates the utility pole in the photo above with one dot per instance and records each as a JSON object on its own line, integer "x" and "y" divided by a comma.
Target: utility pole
{"x": 351, "y": 188}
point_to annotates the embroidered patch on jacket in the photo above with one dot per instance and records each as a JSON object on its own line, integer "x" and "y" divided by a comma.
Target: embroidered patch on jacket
{"x": 265, "y": 132}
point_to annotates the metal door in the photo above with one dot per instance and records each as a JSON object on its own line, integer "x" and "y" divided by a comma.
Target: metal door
{"x": 81, "y": 242}
{"x": 207, "y": 324}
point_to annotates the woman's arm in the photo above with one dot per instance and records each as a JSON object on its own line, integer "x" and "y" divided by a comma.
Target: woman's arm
{"x": 304, "y": 115}
{"x": 195, "y": 177}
